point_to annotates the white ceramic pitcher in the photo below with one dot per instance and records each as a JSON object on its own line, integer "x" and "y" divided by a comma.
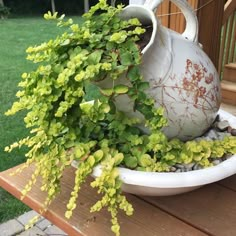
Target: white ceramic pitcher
{"x": 181, "y": 76}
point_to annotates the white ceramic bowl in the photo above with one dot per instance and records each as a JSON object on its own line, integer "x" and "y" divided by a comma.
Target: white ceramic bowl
{"x": 163, "y": 184}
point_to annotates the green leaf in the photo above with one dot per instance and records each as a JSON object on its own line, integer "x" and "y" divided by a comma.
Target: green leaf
{"x": 107, "y": 91}
{"x": 144, "y": 109}
{"x": 118, "y": 37}
{"x": 95, "y": 57}
{"x": 126, "y": 58}
{"x": 145, "y": 160}
{"x": 114, "y": 56}
{"x": 98, "y": 155}
{"x": 121, "y": 89}
{"x": 110, "y": 46}
{"x": 105, "y": 108}
{"x": 66, "y": 42}
{"x": 130, "y": 161}
{"x": 142, "y": 96}
{"x": 91, "y": 160}
{"x": 133, "y": 94}
{"x": 134, "y": 73}
{"x": 139, "y": 30}
{"x": 134, "y": 130}
{"x": 112, "y": 106}
{"x": 118, "y": 158}
{"x": 143, "y": 85}
{"x": 86, "y": 106}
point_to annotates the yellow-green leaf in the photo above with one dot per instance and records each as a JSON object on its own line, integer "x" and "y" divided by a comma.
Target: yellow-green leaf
{"x": 121, "y": 89}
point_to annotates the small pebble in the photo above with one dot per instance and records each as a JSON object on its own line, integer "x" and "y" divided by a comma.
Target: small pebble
{"x": 222, "y": 125}
{"x": 189, "y": 166}
{"x": 197, "y": 167}
{"x": 172, "y": 169}
{"x": 179, "y": 166}
{"x": 223, "y": 158}
{"x": 216, "y": 162}
{"x": 212, "y": 134}
{"x": 229, "y": 129}
{"x": 221, "y": 135}
{"x": 233, "y": 132}
{"x": 227, "y": 156}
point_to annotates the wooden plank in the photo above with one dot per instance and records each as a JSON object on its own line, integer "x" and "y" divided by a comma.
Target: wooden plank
{"x": 166, "y": 12}
{"x": 174, "y": 18}
{"x": 229, "y": 183}
{"x": 228, "y": 90}
{"x": 177, "y": 22}
{"x": 194, "y": 4}
{"x": 229, "y": 86}
{"x": 231, "y": 66}
{"x": 162, "y": 13}
{"x": 147, "y": 219}
{"x": 182, "y": 24}
{"x": 210, "y": 21}
{"x": 181, "y": 18}
{"x": 159, "y": 11}
{"x": 230, "y": 24}
{"x": 222, "y": 47}
{"x": 211, "y": 208}
{"x": 229, "y": 11}
{"x": 233, "y": 39}
{"x": 229, "y": 8}
{"x": 230, "y": 72}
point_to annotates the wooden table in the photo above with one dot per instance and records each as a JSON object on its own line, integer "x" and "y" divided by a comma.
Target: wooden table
{"x": 210, "y": 210}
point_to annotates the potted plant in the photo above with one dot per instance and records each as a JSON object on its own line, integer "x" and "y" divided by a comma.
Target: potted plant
{"x": 66, "y": 124}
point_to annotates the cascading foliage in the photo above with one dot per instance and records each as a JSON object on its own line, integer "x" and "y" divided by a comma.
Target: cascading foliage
{"x": 65, "y": 126}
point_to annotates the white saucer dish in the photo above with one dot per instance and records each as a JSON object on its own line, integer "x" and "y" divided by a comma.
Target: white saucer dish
{"x": 164, "y": 184}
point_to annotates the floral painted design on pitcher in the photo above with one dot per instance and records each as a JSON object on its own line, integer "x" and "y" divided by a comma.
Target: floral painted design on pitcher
{"x": 182, "y": 77}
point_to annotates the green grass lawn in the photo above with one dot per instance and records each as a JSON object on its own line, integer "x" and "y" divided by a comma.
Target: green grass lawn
{"x": 15, "y": 36}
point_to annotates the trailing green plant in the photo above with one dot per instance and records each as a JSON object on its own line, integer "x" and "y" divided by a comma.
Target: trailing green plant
{"x": 65, "y": 126}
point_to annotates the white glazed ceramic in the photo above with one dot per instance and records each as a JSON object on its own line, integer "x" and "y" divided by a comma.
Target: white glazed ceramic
{"x": 181, "y": 76}
{"x": 164, "y": 184}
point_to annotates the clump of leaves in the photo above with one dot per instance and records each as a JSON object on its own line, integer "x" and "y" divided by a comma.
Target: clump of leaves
{"x": 66, "y": 127}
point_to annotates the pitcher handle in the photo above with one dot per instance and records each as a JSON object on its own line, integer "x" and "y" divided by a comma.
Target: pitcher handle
{"x": 191, "y": 30}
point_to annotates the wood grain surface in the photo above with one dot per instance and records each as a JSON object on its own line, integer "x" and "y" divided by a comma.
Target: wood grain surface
{"x": 211, "y": 209}
{"x": 148, "y": 219}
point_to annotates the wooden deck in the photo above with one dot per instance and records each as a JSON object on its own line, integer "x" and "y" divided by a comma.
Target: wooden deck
{"x": 210, "y": 210}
